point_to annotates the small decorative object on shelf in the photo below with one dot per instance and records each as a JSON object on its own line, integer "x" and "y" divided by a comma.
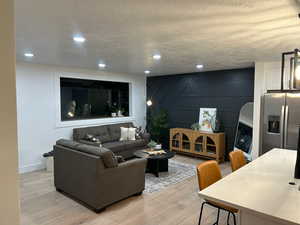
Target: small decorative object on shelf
{"x": 217, "y": 127}
{"x": 120, "y": 113}
{"x": 195, "y": 126}
{"x": 198, "y": 143}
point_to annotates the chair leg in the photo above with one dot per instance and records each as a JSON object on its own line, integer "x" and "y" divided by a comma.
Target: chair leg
{"x": 217, "y": 222}
{"x": 234, "y": 219}
{"x": 201, "y": 211}
{"x": 228, "y": 217}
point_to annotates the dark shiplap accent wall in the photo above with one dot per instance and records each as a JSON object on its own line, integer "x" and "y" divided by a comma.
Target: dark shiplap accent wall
{"x": 183, "y": 96}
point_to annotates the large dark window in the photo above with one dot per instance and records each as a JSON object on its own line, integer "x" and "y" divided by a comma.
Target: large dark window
{"x": 92, "y": 99}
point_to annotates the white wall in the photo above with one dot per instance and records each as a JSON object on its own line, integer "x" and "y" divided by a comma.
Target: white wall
{"x": 38, "y": 108}
{"x": 267, "y": 77}
{"x": 9, "y": 187}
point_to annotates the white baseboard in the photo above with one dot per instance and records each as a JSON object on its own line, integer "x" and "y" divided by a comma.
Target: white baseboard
{"x": 31, "y": 168}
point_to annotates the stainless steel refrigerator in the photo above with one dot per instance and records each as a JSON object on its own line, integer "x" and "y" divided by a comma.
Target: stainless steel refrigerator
{"x": 281, "y": 120}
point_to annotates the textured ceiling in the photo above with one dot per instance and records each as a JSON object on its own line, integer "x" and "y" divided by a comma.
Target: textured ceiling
{"x": 221, "y": 34}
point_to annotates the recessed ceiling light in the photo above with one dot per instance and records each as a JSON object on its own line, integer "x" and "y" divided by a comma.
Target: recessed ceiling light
{"x": 29, "y": 55}
{"x": 102, "y": 65}
{"x": 147, "y": 71}
{"x": 79, "y": 39}
{"x": 157, "y": 56}
{"x": 199, "y": 66}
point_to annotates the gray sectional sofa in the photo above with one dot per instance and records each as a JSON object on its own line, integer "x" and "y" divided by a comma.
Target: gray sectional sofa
{"x": 109, "y": 136}
{"x": 93, "y": 176}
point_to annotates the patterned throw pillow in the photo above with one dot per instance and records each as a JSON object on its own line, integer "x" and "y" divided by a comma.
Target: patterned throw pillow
{"x": 139, "y": 132}
{"x": 120, "y": 158}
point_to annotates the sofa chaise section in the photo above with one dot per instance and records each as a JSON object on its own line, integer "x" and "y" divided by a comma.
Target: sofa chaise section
{"x": 93, "y": 176}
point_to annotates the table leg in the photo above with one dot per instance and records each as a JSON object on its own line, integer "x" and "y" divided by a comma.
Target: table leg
{"x": 157, "y": 168}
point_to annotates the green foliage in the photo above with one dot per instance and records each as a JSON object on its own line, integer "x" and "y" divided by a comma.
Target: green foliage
{"x": 195, "y": 126}
{"x": 152, "y": 144}
{"x": 159, "y": 125}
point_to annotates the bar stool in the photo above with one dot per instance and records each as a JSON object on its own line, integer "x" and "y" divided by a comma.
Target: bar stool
{"x": 237, "y": 160}
{"x": 208, "y": 173}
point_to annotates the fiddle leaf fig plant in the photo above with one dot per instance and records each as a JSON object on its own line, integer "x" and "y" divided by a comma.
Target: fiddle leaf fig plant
{"x": 159, "y": 126}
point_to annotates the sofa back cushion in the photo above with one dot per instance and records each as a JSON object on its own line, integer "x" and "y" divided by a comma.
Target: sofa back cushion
{"x": 115, "y": 130}
{"x": 108, "y": 157}
{"x": 105, "y": 133}
{"x": 100, "y": 132}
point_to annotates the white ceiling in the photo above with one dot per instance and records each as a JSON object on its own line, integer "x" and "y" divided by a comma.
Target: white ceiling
{"x": 221, "y": 34}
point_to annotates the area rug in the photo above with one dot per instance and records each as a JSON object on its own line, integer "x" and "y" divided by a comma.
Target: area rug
{"x": 178, "y": 172}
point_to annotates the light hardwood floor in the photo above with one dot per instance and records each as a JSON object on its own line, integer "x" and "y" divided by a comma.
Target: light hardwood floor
{"x": 176, "y": 205}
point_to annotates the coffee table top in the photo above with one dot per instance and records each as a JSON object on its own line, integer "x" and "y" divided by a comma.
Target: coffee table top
{"x": 142, "y": 154}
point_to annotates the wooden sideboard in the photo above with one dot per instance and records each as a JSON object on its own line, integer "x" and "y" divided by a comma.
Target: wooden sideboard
{"x": 198, "y": 143}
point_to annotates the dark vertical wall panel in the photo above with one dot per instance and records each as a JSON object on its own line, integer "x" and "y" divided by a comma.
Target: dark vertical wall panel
{"x": 183, "y": 95}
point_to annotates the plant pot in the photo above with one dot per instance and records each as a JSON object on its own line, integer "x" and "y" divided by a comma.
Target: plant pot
{"x": 157, "y": 147}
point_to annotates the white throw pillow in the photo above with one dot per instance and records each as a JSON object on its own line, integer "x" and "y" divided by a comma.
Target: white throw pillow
{"x": 131, "y": 134}
{"x": 124, "y": 134}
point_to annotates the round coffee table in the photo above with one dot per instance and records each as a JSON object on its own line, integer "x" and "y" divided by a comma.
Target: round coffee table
{"x": 155, "y": 163}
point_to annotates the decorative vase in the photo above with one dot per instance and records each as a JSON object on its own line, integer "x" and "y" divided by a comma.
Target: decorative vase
{"x": 297, "y": 167}
{"x": 120, "y": 113}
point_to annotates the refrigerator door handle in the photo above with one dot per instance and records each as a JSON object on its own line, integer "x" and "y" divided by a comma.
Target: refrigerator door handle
{"x": 286, "y": 118}
{"x": 282, "y": 127}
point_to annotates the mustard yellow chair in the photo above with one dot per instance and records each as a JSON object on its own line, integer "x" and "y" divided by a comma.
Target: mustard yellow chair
{"x": 237, "y": 160}
{"x": 209, "y": 173}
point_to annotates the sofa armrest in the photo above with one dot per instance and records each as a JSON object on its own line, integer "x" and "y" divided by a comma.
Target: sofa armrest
{"x": 125, "y": 180}
{"x": 134, "y": 163}
{"x": 125, "y": 167}
{"x": 146, "y": 137}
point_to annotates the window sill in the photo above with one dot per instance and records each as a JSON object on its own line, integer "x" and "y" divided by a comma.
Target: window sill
{"x": 94, "y": 122}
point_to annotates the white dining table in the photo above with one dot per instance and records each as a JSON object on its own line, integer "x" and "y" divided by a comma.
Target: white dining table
{"x": 261, "y": 190}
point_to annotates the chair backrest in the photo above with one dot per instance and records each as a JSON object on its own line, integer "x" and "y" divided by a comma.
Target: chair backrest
{"x": 208, "y": 173}
{"x": 237, "y": 159}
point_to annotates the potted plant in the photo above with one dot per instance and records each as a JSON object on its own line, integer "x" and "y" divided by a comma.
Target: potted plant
{"x": 152, "y": 144}
{"x": 158, "y": 126}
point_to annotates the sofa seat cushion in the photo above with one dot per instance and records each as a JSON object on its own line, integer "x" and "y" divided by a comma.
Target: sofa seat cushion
{"x": 82, "y": 141}
{"x": 134, "y": 144}
{"x": 115, "y": 146}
